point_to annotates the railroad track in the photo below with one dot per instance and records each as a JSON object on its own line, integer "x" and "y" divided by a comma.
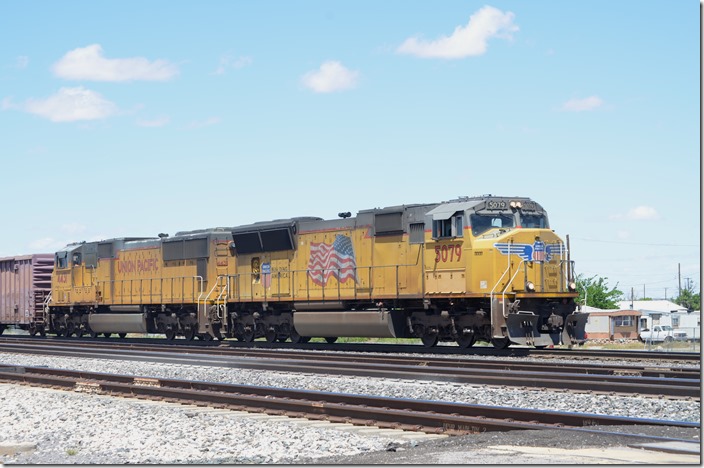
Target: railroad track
{"x": 414, "y": 415}
{"x": 556, "y": 353}
{"x": 593, "y": 378}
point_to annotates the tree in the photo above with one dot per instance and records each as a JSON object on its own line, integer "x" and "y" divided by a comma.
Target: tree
{"x": 597, "y": 293}
{"x": 689, "y": 299}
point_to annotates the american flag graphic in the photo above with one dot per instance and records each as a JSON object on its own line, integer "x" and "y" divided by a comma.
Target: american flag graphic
{"x": 336, "y": 259}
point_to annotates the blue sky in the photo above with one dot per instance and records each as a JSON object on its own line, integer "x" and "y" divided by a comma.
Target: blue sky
{"x": 134, "y": 118}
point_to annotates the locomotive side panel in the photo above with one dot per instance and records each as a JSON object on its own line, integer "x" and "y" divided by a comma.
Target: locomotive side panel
{"x": 328, "y": 266}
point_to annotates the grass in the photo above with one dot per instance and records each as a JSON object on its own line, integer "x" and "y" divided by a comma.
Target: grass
{"x": 682, "y": 346}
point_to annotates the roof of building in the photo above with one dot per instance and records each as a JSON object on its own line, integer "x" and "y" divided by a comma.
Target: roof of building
{"x": 586, "y": 308}
{"x": 616, "y": 313}
{"x": 647, "y": 307}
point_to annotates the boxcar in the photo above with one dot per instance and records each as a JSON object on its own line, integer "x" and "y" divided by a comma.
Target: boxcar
{"x": 25, "y": 283}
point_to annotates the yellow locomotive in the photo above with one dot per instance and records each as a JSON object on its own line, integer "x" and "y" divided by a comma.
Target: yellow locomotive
{"x": 487, "y": 268}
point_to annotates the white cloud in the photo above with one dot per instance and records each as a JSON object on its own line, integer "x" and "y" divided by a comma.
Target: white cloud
{"x": 158, "y": 122}
{"x": 643, "y": 213}
{"x": 586, "y": 104}
{"x": 226, "y": 62}
{"x": 21, "y": 62}
{"x": 44, "y": 243}
{"x": 69, "y": 105}
{"x": 331, "y": 76}
{"x": 88, "y": 63}
{"x": 467, "y": 41}
{"x": 7, "y": 104}
{"x": 203, "y": 123}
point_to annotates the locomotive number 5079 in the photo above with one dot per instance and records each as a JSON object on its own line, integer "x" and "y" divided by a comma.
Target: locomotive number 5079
{"x": 447, "y": 253}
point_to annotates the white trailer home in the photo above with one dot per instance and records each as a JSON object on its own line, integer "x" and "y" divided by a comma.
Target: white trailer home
{"x": 666, "y": 313}
{"x": 689, "y": 322}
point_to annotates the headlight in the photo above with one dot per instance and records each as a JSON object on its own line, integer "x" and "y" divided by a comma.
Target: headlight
{"x": 530, "y": 287}
{"x": 572, "y": 286}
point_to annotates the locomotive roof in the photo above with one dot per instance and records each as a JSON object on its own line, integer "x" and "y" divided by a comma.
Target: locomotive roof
{"x": 199, "y": 232}
{"x": 275, "y": 224}
{"x": 445, "y": 210}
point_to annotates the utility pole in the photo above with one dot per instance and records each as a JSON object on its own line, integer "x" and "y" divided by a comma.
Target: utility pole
{"x": 631, "y": 298}
{"x": 643, "y": 291}
{"x": 679, "y": 281}
{"x": 665, "y": 293}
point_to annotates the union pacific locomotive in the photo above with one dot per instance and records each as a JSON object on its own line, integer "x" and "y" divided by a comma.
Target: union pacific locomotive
{"x": 476, "y": 268}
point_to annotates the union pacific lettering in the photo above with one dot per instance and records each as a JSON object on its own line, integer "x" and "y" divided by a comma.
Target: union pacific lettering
{"x": 148, "y": 265}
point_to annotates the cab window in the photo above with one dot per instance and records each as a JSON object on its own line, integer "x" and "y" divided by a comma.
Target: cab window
{"x": 451, "y": 227}
{"x": 534, "y": 221}
{"x": 482, "y": 223}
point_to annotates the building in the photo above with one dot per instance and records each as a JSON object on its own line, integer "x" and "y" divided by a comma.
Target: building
{"x": 611, "y": 324}
{"x": 666, "y": 313}
{"x": 689, "y": 322}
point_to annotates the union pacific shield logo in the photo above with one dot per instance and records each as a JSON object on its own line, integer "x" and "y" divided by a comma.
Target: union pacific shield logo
{"x": 537, "y": 252}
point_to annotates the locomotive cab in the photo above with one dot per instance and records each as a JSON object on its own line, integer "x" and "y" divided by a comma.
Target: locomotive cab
{"x": 532, "y": 295}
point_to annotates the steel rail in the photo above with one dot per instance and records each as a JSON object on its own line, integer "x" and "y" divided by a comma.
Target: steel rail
{"x": 407, "y": 414}
{"x": 576, "y": 353}
{"x": 603, "y": 383}
{"x": 507, "y": 365}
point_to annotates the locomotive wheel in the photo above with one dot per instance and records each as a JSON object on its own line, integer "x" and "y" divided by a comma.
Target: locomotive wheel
{"x": 429, "y": 340}
{"x": 248, "y": 335}
{"x": 189, "y": 333}
{"x": 32, "y": 330}
{"x": 107, "y": 335}
{"x": 94, "y": 334}
{"x": 296, "y": 338}
{"x": 282, "y": 339}
{"x": 467, "y": 341}
{"x": 70, "y": 329}
{"x": 331, "y": 339}
{"x": 170, "y": 334}
{"x": 500, "y": 343}
{"x": 271, "y": 335}
{"x": 80, "y": 332}
{"x": 122, "y": 335}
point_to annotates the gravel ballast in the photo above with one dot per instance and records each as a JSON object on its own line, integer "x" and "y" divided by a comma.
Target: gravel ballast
{"x": 69, "y": 427}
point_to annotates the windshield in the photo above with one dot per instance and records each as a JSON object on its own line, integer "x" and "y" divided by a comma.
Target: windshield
{"x": 482, "y": 223}
{"x": 536, "y": 221}
{"x": 666, "y": 327}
